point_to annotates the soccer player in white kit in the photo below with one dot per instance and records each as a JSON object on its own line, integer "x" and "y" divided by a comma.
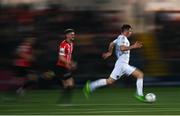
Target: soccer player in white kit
{"x": 122, "y": 50}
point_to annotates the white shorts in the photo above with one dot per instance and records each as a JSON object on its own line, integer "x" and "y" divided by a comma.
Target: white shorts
{"x": 120, "y": 69}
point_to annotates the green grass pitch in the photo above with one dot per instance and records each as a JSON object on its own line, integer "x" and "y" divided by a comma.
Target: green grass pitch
{"x": 107, "y": 101}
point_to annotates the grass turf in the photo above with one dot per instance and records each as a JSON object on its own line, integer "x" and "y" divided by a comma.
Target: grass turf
{"x": 107, "y": 101}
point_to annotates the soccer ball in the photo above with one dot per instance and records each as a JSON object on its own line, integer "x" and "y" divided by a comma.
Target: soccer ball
{"x": 150, "y": 97}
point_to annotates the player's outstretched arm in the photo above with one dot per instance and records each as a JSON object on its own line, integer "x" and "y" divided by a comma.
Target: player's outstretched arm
{"x": 134, "y": 46}
{"x": 110, "y": 51}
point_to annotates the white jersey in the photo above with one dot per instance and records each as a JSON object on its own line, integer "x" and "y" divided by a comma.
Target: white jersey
{"x": 123, "y": 56}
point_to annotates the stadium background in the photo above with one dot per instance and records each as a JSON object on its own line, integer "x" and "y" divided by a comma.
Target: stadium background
{"x": 155, "y": 23}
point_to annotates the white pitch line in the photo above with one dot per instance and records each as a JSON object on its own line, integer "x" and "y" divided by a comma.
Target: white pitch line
{"x": 117, "y": 111}
{"x": 85, "y": 112}
{"x": 95, "y": 109}
{"x": 140, "y": 104}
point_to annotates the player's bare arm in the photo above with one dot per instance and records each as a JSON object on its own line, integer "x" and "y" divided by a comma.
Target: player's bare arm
{"x": 73, "y": 65}
{"x": 70, "y": 65}
{"x": 110, "y": 50}
{"x": 134, "y": 46}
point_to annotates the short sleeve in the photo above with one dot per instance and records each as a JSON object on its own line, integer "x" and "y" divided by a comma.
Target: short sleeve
{"x": 62, "y": 50}
{"x": 115, "y": 41}
{"x": 121, "y": 41}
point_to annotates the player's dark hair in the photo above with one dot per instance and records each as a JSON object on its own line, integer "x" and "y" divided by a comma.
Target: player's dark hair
{"x": 68, "y": 31}
{"x": 125, "y": 27}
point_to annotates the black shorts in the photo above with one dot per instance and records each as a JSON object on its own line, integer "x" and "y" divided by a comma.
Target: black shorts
{"x": 63, "y": 73}
{"x": 21, "y": 71}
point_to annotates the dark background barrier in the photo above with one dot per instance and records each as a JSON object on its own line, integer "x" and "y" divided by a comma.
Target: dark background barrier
{"x": 95, "y": 28}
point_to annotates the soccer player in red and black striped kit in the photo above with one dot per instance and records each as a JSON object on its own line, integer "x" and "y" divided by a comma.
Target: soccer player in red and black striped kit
{"x": 23, "y": 62}
{"x": 65, "y": 65}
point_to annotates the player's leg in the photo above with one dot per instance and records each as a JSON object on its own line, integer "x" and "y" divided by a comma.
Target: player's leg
{"x": 60, "y": 72}
{"x": 100, "y": 82}
{"x": 130, "y": 70}
{"x": 69, "y": 90}
{"x": 139, "y": 83}
{"x": 68, "y": 84}
{"x": 31, "y": 80}
{"x": 66, "y": 94}
{"x": 91, "y": 86}
{"x": 19, "y": 73}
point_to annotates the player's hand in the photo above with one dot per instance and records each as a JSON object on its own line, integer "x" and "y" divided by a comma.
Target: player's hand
{"x": 106, "y": 55}
{"x": 137, "y": 44}
{"x": 72, "y": 65}
{"x": 68, "y": 66}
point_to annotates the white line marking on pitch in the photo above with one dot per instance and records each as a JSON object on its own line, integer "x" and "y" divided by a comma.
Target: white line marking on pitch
{"x": 140, "y": 104}
{"x": 92, "y": 112}
{"x": 95, "y": 109}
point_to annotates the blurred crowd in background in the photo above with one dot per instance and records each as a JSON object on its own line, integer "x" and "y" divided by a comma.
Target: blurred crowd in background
{"x": 97, "y": 22}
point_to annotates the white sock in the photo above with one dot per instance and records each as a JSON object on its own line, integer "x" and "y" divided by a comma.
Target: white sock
{"x": 139, "y": 86}
{"x": 97, "y": 84}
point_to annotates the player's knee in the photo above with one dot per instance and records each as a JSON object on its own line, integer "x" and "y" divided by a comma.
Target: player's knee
{"x": 70, "y": 85}
{"x": 140, "y": 74}
{"x": 109, "y": 81}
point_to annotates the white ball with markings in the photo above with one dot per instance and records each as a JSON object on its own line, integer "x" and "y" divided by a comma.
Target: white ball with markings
{"x": 150, "y": 97}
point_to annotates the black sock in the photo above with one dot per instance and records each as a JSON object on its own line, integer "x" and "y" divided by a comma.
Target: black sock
{"x": 28, "y": 84}
{"x": 69, "y": 94}
{"x": 66, "y": 95}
